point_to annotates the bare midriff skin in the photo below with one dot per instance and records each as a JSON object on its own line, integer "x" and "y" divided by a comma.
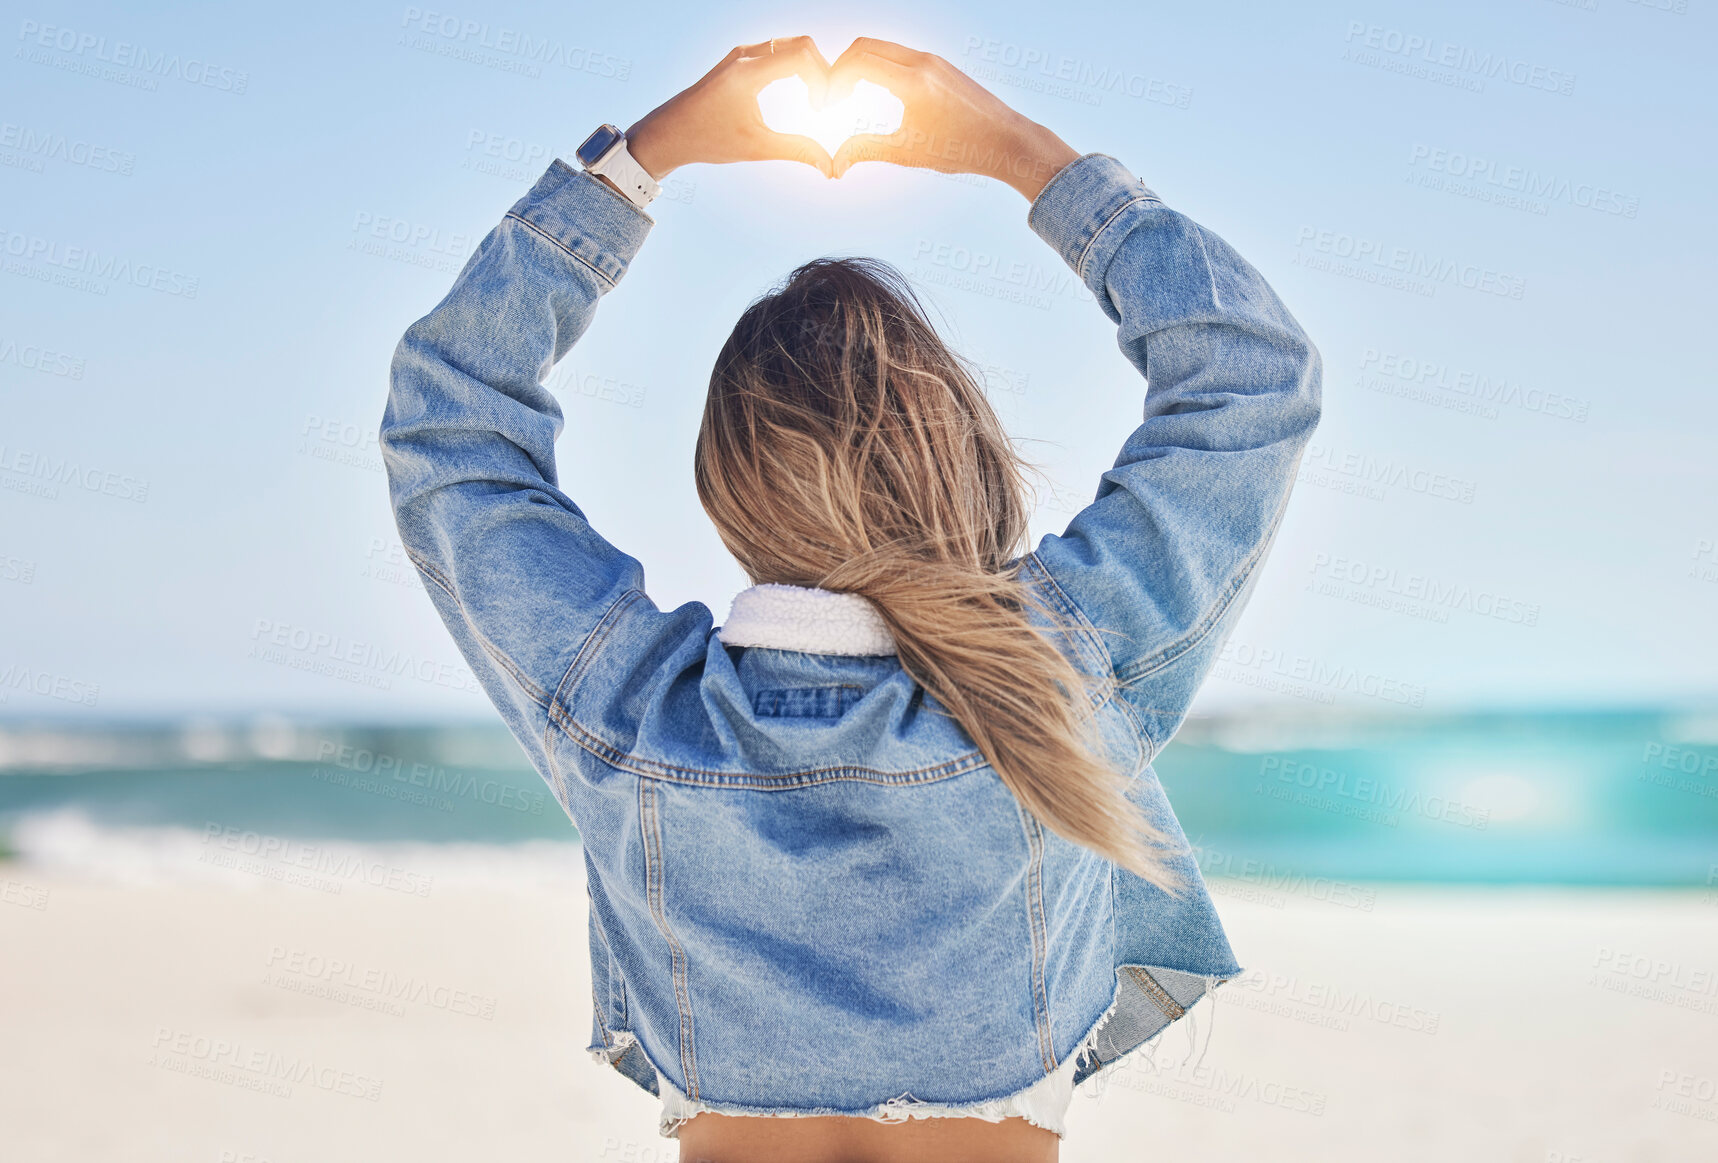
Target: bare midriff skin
{"x": 953, "y": 125}
{"x": 711, "y": 1138}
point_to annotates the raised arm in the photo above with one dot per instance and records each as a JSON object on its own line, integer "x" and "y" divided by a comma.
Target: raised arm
{"x": 514, "y": 569}
{"x": 1162, "y": 561}
{"x": 517, "y": 574}
{"x": 1166, "y": 555}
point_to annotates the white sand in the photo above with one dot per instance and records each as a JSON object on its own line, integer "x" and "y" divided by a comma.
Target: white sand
{"x": 1483, "y": 1030}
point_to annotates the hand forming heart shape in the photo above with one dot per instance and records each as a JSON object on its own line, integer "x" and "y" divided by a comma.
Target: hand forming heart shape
{"x": 769, "y": 102}
{"x": 765, "y": 102}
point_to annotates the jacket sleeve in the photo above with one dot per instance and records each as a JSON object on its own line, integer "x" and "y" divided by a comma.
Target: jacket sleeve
{"x": 1164, "y": 558}
{"x": 515, "y": 570}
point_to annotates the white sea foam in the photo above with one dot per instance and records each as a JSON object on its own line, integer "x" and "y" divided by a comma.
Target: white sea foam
{"x": 68, "y": 842}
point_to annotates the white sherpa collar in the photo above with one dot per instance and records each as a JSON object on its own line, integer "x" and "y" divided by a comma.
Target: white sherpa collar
{"x": 783, "y": 617}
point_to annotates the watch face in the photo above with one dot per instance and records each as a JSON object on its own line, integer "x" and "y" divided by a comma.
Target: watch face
{"x": 598, "y": 144}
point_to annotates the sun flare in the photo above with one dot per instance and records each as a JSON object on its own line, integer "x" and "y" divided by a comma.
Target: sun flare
{"x": 786, "y": 108}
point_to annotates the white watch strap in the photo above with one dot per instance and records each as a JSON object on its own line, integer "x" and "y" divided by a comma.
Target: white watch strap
{"x": 621, "y": 168}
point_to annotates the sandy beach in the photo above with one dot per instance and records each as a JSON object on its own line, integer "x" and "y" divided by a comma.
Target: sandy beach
{"x": 436, "y": 1007}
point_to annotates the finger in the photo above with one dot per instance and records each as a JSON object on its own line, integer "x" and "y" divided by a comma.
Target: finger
{"x": 901, "y": 80}
{"x": 870, "y": 46}
{"x": 793, "y": 56}
{"x": 870, "y": 147}
{"x": 817, "y": 75}
{"x": 791, "y": 147}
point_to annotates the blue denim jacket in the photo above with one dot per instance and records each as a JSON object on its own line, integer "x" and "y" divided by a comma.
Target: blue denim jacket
{"x": 834, "y": 905}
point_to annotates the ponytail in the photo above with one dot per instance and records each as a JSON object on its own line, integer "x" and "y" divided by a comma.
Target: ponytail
{"x": 964, "y": 636}
{"x": 844, "y": 446}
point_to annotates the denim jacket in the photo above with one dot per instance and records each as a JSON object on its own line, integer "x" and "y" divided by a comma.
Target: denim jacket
{"x": 809, "y": 893}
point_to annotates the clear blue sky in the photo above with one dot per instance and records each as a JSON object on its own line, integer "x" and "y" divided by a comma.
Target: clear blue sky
{"x": 1511, "y": 499}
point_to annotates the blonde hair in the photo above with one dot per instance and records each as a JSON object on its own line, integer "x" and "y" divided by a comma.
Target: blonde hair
{"x": 845, "y": 446}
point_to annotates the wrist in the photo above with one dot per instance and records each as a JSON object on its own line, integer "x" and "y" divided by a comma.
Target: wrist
{"x": 648, "y": 148}
{"x": 1036, "y": 156}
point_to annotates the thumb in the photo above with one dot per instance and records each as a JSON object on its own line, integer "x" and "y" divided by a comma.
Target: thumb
{"x": 795, "y": 147}
{"x": 869, "y": 147}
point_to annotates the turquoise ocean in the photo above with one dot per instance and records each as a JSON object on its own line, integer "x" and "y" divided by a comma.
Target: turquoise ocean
{"x": 1624, "y": 797}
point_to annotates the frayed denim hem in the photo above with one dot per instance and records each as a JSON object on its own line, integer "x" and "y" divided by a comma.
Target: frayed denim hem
{"x": 1104, "y": 1050}
{"x": 1043, "y": 1104}
{"x": 1146, "y": 1002}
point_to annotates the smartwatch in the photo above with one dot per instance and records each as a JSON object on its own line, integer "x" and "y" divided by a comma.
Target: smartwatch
{"x": 604, "y": 152}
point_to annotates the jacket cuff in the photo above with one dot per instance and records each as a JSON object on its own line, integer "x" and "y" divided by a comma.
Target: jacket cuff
{"x": 581, "y": 215}
{"x": 1077, "y": 210}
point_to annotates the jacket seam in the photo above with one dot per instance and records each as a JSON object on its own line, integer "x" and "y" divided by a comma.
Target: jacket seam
{"x": 676, "y": 773}
{"x": 432, "y": 573}
{"x": 560, "y": 246}
{"x": 608, "y": 950}
{"x": 561, "y": 716}
{"x": 605, "y": 625}
{"x": 495, "y": 653}
{"x": 1034, "y": 889}
{"x": 1108, "y": 692}
{"x": 1140, "y": 736}
{"x": 1211, "y": 621}
{"x": 650, "y": 826}
{"x": 602, "y": 1026}
{"x": 1160, "y": 997}
{"x": 747, "y": 782}
{"x": 1087, "y": 628}
{"x": 1086, "y": 251}
{"x": 1150, "y": 665}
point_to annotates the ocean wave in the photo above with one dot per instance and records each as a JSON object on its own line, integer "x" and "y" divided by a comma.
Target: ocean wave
{"x": 68, "y": 842}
